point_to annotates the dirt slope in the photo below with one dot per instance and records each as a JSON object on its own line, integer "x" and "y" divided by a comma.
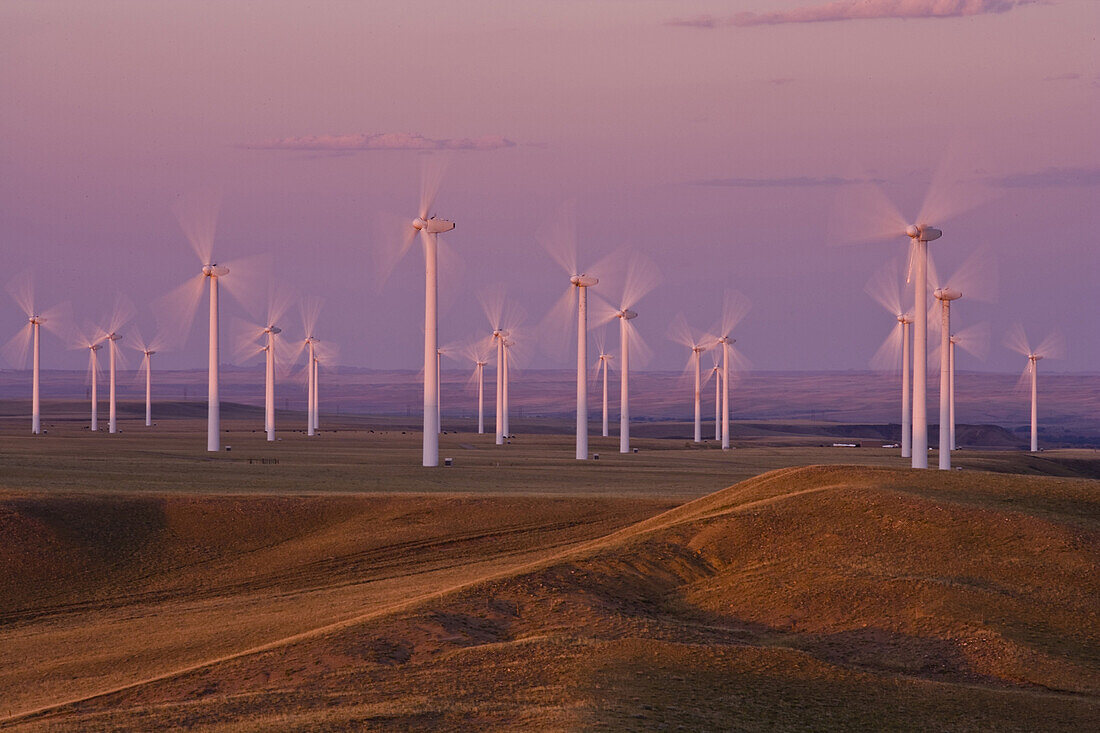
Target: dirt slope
{"x": 823, "y": 597}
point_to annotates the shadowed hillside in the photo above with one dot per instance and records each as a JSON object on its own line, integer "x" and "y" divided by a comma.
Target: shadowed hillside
{"x": 823, "y": 597}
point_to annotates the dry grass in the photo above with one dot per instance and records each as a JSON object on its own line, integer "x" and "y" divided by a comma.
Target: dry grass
{"x": 824, "y": 597}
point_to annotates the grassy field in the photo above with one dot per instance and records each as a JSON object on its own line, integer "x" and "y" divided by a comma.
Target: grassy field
{"x": 145, "y": 583}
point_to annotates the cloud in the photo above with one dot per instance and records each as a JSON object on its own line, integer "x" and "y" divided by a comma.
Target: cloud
{"x": 786, "y": 182}
{"x": 839, "y": 10}
{"x": 1062, "y": 77}
{"x": 380, "y": 141}
{"x": 1052, "y": 178}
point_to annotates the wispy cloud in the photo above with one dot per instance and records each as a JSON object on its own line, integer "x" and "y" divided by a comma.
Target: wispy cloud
{"x": 839, "y": 10}
{"x": 1052, "y": 178}
{"x": 380, "y": 141}
{"x": 783, "y": 182}
{"x": 1062, "y": 77}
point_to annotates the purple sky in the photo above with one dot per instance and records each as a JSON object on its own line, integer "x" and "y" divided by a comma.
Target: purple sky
{"x": 719, "y": 144}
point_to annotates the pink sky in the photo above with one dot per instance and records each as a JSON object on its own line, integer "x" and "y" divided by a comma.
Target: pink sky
{"x": 716, "y": 148}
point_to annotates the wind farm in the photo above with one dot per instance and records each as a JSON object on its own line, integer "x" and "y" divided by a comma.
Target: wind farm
{"x": 481, "y": 488}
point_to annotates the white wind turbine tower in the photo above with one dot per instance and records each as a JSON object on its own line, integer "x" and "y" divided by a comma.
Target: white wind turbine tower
{"x": 884, "y": 288}
{"x": 270, "y": 332}
{"x": 30, "y": 337}
{"x": 716, "y": 371}
{"x": 974, "y": 340}
{"x": 507, "y": 345}
{"x": 681, "y": 333}
{"x": 93, "y": 366}
{"x": 1051, "y": 347}
{"x": 310, "y": 344}
{"x": 93, "y": 372}
{"x": 640, "y": 278}
{"x": 504, "y": 316}
{"x": 945, "y": 296}
{"x": 734, "y": 307}
{"x": 499, "y": 337}
{"x": 147, "y": 365}
{"x": 882, "y": 221}
{"x": 197, "y": 218}
{"x": 478, "y": 353}
{"x": 561, "y": 244}
{"x": 323, "y": 353}
{"x": 276, "y": 353}
{"x": 603, "y": 363}
{"x": 122, "y": 313}
{"x": 429, "y": 227}
{"x": 976, "y": 269}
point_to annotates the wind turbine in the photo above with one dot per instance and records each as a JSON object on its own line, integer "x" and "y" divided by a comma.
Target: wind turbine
{"x": 881, "y": 222}
{"x": 561, "y": 244}
{"x": 641, "y": 277}
{"x": 974, "y": 340}
{"x": 883, "y": 287}
{"x": 734, "y": 307}
{"x": 310, "y": 343}
{"x": 122, "y": 312}
{"x": 969, "y": 273}
{"x": 112, "y": 339}
{"x": 945, "y": 296}
{"x": 603, "y": 363}
{"x": 682, "y": 334}
{"x": 429, "y": 227}
{"x": 504, "y": 317}
{"x": 507, "y": 346}
{"x": 269, "y": 379}
{"x": 499, "y": 337}
{"x": 93, "y": 370}
{"x": 30, "y": 336}
{"x": 716, "y": 370}
{"x": 1051, "y": 347}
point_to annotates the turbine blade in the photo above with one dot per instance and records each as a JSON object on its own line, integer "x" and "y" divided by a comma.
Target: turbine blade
{"x": 974, "y": 340}
{"x": 955, "y": 188}
{"x": 884, "y": 288}
{"x": 21, "y": 289}
{"x": 197, "y": 214}
{"x": 18, "y": 347}
{"x": 432, "y": 170}
{"x": 1016, "y": 339}
{"x": 1052, "y": 347}
{"x": 559, "y": 324}
{"x": 887, "y": 357}
{"x": 175, "y": 311}
{"x": 734, "y": 307}
{"x": 640, "y": 351}
{"x": 642, "y": 276}
{"x": 863, "y": 213}
{"x": 559, "y": 238}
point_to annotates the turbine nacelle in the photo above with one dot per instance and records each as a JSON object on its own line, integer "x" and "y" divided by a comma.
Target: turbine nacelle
{"x": 922, "y": 232}
{"x": 113, "y": 336}
{"x": 149, "y": 353}
{"x": 698, "y": 349}
{"x": 273, "y": 330}
{"x": 727, "y": 340}
{"x": 904, "y": 319}
{"x": 948, "y": 294}
{"x": 95, "y": 347}
{"x": 36, "y": 320}
{"x": 626, "y": 314}
{"x": 215, "y": 270}
{"x": 583, "y": 281}
{"x": 1034, "y": 357}
{"x": 431, "y": 225}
